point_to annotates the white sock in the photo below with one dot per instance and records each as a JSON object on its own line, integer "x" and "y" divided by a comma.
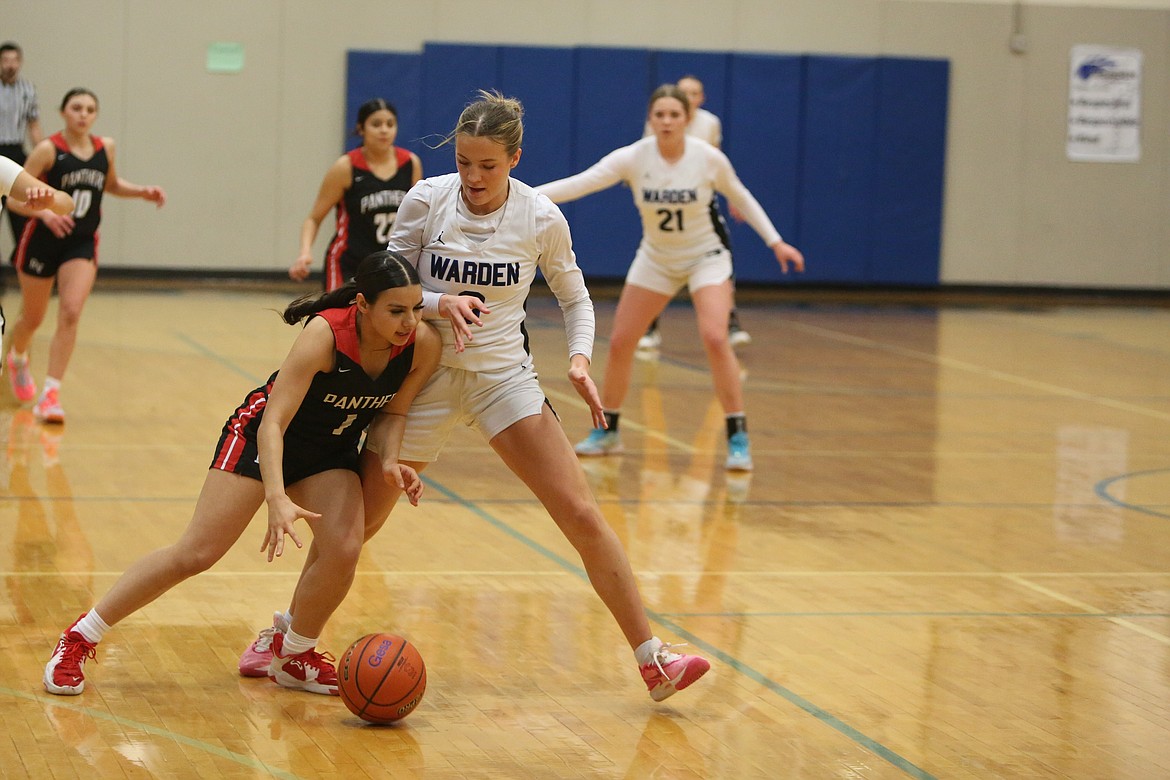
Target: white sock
{"x": 644, "y": 653}
{"x": 295, "y": 644}
{"x": 91, "y": 626}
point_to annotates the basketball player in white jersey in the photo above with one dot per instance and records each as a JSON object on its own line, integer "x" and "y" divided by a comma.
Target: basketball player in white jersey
{"x": 478, "y": 237}
{"x": 706, "y": 127}
{"x": 673, "y": 178}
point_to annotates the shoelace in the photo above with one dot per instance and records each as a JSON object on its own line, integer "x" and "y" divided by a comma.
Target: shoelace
{"x": 264, "y": 641}
{"x": 76, "y": 653}
{"x": 663, "y": 655}
{"x": 319, "y": 661}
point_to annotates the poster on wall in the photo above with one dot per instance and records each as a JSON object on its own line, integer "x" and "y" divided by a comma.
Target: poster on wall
{"x": 1104, "y": 104}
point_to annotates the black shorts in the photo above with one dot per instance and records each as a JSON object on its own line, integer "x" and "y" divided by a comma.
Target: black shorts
{"x": 44, "y": 254}
{"x": 237, "y": 453}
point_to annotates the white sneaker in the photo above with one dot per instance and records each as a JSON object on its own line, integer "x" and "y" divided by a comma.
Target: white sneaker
{"x": 652, "y": 340}
{"x": 738, "y": 336}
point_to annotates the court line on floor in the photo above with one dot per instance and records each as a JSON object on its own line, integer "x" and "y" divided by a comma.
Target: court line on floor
{"x": 1081, "y": 605}
{"x": 975, "y": 368}
{"x": 1103, "y": 487}
{"x": 820, "y": 714}
{"x": 207, "y": 747}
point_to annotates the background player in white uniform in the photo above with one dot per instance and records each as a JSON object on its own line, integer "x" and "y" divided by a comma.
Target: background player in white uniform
{"x": 706, "y": 127}
{"x": 673, "y": 178}
{"x": 478, "y": 237}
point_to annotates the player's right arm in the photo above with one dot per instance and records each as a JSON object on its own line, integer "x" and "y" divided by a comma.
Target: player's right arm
{"x": 332, "y": 190}
{"x": 312, "y": 352}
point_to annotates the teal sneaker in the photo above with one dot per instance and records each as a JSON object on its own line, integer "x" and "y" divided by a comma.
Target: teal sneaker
{"x": 739, "y": 453}
{"x": 599, "y": 442}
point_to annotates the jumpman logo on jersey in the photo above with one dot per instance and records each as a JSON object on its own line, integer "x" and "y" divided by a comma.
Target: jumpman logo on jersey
{"x": 439, "y": 238}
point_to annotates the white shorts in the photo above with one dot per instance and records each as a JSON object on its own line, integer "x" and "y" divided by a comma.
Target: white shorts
{"x": 488, "y": 401}
{"x": 668, "y": 275}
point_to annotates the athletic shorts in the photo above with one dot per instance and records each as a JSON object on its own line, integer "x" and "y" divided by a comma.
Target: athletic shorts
{"x": 667, "y": 276}
{"x": 237, "y": 453}
{"x": 488, "y": 401}
{"x": 44, "y": 254}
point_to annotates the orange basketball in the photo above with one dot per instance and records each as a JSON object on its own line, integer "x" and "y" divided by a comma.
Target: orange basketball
{"x": 381, "y": 678}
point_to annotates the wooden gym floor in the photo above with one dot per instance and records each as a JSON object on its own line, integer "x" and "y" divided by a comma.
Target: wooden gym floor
{"x": 952, "y": 560}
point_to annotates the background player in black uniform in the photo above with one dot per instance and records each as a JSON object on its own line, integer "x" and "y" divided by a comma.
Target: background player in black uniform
{"x": 17, "y": 184}
{"x": 365, "y": 187}
{"x": 64, "y": 246}
{"x": 293, "y": 444}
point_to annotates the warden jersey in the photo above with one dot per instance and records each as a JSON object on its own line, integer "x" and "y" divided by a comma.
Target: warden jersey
{"x": 337, "y": 407}
{"x": 673, "y": 198}
{"x": 365, "y": 215}
{"x": 85, "y": 180}
{"x": 493, "y": 258}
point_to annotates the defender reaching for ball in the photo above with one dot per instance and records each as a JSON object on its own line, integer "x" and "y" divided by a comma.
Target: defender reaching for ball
{"x": 291, "y": 444}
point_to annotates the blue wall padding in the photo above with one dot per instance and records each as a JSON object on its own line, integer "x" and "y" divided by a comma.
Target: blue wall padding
{"x": 846, "y": 154}
{"x": 611, "y": 90}
{"x": 390, "y": 76}
{"x": 763, "y": 131}
{"x": 711, "y": 68}
{"x": 911, "y": 156}
{"x": 452, "y": 76}
{"x": 837, "y": 171}
{"x": 543, "y": 81}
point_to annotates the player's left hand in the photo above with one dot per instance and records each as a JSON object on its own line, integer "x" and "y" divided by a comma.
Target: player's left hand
{"x": 155, "y": 195}
{"x": 407, "y": 480}
{"x": 786, "y": 253}
{"x": 583, "y": 384}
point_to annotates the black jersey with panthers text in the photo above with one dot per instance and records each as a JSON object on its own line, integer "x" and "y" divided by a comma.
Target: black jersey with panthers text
{"x": 85, "y": 180}
{"x": 365, "y": 215}
{"x": 337, "y": 407}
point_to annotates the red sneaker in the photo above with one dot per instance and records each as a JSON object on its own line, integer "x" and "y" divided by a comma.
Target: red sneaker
{"x": 308, "y": 671}
{"x": 63, "y": 672}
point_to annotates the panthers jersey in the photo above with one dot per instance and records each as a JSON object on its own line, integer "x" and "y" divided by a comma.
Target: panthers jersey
{"x": 365, "y": 215}
{"x": 85, "y": 180}
{"x": 337, "y": 407}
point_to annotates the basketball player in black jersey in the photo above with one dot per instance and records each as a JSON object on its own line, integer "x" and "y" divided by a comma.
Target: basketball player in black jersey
{"x": 365, "y": 187}
{"x": 293, "y": 443}
{"x": 63, "y": 247}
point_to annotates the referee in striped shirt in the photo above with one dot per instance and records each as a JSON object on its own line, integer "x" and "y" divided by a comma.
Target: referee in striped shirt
{"x": 18, "y": 118}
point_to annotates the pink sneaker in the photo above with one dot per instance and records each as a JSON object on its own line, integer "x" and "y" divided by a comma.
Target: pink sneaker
{"x": 23, "y": 386}
{"x": 308, "y": 671}
{"x": 258, "y": 657}
{"x": 48, "y": 409}
{"x": 63, "y": 672}
{"x": 668, "y": 673}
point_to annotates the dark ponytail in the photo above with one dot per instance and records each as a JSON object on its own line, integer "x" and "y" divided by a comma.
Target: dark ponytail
{"x": 382, "y": 270}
